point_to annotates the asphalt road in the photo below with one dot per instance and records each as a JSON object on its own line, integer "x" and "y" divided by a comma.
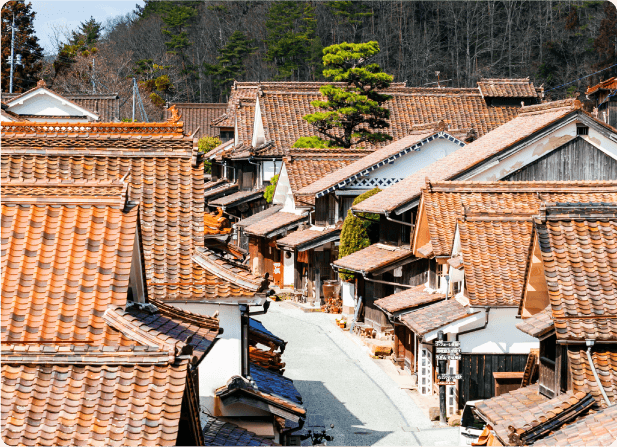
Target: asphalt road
{"x": 341, "y": 385}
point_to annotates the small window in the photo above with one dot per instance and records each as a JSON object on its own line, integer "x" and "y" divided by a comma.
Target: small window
{"x": 226, "y": 135}
{"x": 582, "y": 130}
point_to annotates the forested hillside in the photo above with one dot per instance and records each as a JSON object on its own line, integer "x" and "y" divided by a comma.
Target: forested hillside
{"x": 192, "y": 51}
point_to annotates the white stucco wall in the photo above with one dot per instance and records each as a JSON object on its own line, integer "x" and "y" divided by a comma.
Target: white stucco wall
{"x": 288, "y": 270}
{"x": 42, "y": 103}
{"x": 258, "y": 127}
{"x": 500, "y": 335}
{"x": 410, "y": 162}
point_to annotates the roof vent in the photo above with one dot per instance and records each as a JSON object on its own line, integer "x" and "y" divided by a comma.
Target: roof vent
{"x": 581, "y": 129}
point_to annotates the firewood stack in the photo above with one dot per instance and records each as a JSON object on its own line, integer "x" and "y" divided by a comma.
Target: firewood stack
{"x": 267, "y": 359}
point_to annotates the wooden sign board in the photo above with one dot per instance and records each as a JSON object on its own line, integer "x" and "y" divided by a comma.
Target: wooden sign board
{"x": 448, "y": 356}
{"x": 449, "y": 377}
{"x": 445, "y": 383}
{"x": 447, "y": 344}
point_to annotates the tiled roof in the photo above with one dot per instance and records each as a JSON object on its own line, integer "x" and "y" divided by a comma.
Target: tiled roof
{"x": 530, "y": 120}
{"x": 244, "y": 119}
{"x": 446, "y": 201}
{"x": 495, "y": 250}
{"x": 304, "y": 167}
{"x": 283, "y": 104}
{"x": 299, "y": 238}
{"x": 259, "y": 334}
{"x": 598, "y": 429}
{"x": 578, "y": 242}
{"x": 159, "y": 162}
{"x": 62, "y": 266}
{"x": 275, "y": 384}
{"x": 507, "y": 88}
{"x": 270, "y": 386}
{"x": 165, "y": 326}
{"x": 372, "y": 161}
{"x": 257, "y": 217}
{"x": 198, "y": 117}
{"x": 372, "y": 258}
{"x": 107, "y": 107}
{"x": 237, "y": 198}
{"x": 282, "y": 110}
{"x": 220, "y": 190}
{"x": 64, "y": 404}
{"x": 221, "y": 433}
{"x": 408, "y": 299}
{"x": 525, "y": 408}
{"x": 434, "y": 316}
{"x": 604, "y": 357}
{"x": 274, "y": 224}
{"x": 224, "y": 278}
{"x": 539, "y": 324}
{"x": 102, "y": 192}
{"x": 608, "y": 84}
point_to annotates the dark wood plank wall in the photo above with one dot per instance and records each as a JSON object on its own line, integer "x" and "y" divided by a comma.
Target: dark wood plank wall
{"x": 321, "y": 210}
{"x": 477, "y": 371}
{"x": 576, "y": 160}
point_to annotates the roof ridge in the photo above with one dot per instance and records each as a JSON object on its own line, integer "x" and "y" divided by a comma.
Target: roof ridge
{"x": 571, "y": 103}
{"x": 173, "y": 128}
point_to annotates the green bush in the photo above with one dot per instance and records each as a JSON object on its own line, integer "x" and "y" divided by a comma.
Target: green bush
{"x": 269, "y": 192}
{"x": 358, "y": 233}
{"x": 205, "y": 145}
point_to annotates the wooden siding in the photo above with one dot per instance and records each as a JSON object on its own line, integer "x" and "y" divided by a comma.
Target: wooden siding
{"x": 321, "y": 210}
{"x": 575, "y": 160}
{"x": 477, "y": 371}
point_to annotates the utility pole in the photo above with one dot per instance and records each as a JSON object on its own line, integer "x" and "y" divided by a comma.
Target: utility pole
{"x": 442, "y": 388}
{"x": 93, "y": 83}
{"x": 133, "y": 100}
{"x": 12, "y": 53}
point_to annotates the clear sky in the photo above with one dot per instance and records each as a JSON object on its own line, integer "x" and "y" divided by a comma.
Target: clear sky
{"x": 69, "y": 14}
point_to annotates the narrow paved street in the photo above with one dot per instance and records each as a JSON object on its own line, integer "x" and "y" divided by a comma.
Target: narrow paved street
{"x": 342, "y": 385}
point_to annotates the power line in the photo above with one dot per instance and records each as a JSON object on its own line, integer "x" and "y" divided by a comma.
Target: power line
{"x": 572, "y": 82}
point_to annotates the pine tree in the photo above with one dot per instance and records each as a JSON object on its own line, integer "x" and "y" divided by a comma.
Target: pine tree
{"x": 230, "y": 64}
{"x": 292, "y": 41}
{"x": 354, "y": 113}
{"x": 87, "y": 35}
{"x": 27, "y": 46}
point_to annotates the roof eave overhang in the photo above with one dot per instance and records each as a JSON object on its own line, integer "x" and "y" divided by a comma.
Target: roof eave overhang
{"x": 453, "y": 327}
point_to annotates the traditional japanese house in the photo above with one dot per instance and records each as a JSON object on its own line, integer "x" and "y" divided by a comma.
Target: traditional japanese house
{"x": 266, "y": 118}
{"x": 573, "y": 401}
{"x": 539, "y": 144}
{"x": 41, "y": 104}
{"x": 307, "y": 256}
{"x": 85, "y": 359}
{"x": 493, "y": 227}
{"x": 334, "y": 194}
{"x": 603, "y": 100}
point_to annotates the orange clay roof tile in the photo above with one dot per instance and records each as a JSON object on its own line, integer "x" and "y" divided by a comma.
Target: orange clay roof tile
{"x": 577, "y": 242}
{"x": 160, "y": 171}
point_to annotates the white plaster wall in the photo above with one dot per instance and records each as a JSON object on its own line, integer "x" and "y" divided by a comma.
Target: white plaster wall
{"x": 223, "y": 361}
{"x": 258, "y": 127}
{"x": 44, "y": 104}
{"x": 500, "y": 335}
{"x": 288, "y": 270}
{"x": 283, "y": 190}
{"x": 348, "y": 293}
{"x": 413, "y": 161}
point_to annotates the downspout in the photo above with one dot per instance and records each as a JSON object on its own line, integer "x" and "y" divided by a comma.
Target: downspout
{"x": 398, "y": 221}
{"x": 486, "y": 311}
{"x": 309, "y": 217}
{"x": 590, "y": 343}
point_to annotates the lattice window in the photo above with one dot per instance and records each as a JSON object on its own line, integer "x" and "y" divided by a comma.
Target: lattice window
{"x": 425, "y": 371}
{"x": 370, "y": 183}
